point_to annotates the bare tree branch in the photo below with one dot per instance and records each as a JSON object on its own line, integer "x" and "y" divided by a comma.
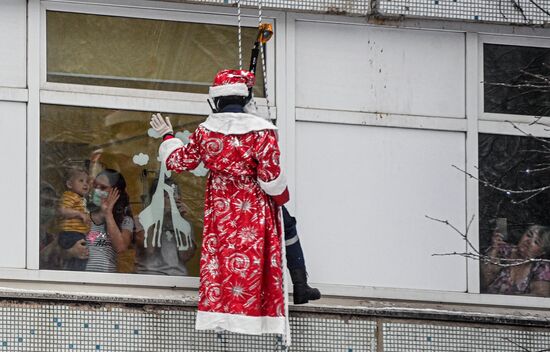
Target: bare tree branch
{"x": 519, "y": 85}
{"x": 475, "y": 254}
{"x": 532, "y": 192}
{"x": 519, "y": 8}
{"x": 539, "y": 7}
{"x": 515, "y": 343}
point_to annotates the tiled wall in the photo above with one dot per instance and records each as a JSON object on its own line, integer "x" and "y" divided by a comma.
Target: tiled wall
{"x": 56, "y": 326}
{"x": 504, "y": 11}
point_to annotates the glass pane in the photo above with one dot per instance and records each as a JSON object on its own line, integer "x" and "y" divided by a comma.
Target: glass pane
{"x": 141, "y": 53}
{"x": 513, "y": 223}
{"x": 79, "y": 149}
{"x": 515, "y": 79}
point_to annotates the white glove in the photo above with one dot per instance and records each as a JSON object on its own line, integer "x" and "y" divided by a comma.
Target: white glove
{"x": 161, "y": 125}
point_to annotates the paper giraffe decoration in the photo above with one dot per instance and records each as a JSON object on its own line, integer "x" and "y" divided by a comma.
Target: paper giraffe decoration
{"x": 153, "y": 215}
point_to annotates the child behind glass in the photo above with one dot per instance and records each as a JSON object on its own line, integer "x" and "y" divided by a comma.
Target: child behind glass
{"x": 75, "y": 220}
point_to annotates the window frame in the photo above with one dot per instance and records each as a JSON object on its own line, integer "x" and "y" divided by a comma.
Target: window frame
{"x": 492, "y": 123}
{"x": 43, "y": 92}
{"x": 512, "y": 41}
{"x": 154, "y": 14}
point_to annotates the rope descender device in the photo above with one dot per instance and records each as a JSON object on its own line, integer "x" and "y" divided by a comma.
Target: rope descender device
{"x": 265, "y": 32}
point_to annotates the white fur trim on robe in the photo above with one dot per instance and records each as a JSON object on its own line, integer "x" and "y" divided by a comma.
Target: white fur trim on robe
{"x": 239, "y": 89}
{"x": 168, "y": 146}
{"x": 242, "y": 324}
{"x": 274, "y": 187}
{"x": 236, "y": 123}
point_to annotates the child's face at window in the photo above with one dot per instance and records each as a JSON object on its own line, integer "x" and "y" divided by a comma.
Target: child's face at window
{"x": 78, "y": 183}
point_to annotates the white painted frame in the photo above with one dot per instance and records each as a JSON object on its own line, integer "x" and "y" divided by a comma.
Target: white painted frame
{"x": 145, "y": 10}
{"x": 506, "y": 40}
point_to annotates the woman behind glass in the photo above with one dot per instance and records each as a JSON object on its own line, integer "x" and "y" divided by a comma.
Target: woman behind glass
{"x": 112, "y": 224}
{"x": 528, "y": 277}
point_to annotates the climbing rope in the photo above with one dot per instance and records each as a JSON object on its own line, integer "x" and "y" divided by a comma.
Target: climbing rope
{"x": 262, "y": 52}
{"x": 239, "y": 34}
{"x": 262, "y": 55}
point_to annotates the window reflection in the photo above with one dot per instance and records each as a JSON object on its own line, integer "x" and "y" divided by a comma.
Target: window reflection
{"x": 516, "y": 79}
{"x": 142, "y": 53}
{"x": 513, "y": 220}
{"x": 99, "y": 172}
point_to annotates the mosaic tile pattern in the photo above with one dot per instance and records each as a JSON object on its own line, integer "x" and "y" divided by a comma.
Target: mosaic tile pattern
{"x": 53, "y": 327}
{"x": 471, "y": 10}
{"x": 43, "y": 326}
{"x": 504, "y": 11}
{"x": 350, "y": 7}
{"x": 401, "y": 337}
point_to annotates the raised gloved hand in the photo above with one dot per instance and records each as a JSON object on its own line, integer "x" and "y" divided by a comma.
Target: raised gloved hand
{"x": 161, "y": 125}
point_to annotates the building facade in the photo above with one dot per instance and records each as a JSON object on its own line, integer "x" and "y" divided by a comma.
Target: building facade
{"x": 411, "y": 134}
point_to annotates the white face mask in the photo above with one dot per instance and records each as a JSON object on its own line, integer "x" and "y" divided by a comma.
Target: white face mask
{"x": 97, "y": 195}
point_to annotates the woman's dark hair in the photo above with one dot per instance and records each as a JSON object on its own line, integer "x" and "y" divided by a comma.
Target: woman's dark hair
{"x": 122, "y": 205}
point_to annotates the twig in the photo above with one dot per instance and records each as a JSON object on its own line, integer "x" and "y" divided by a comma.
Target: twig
{"x": 507, "y": 191}
{"x": 476, "y": 255}
{"x": 463, "y": 235}
{"x": 515, "y": 343}
{"x": 520, "y": 85}
{"x": 539, "y": 7}
{"x": 519, "y": 8}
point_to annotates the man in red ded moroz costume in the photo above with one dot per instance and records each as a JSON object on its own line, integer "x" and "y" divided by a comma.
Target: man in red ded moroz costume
{"x": 241, "y": 266}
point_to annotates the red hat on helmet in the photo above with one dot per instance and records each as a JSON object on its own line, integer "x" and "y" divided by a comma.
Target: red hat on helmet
{"x": 232, "y": 82}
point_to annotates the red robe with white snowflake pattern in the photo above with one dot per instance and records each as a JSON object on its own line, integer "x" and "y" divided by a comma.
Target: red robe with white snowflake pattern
{"x": 241, "y": 266}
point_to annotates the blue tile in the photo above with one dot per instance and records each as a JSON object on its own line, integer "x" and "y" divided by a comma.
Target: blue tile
{"x": 32, "y": 331}
{"x": 55, "y": 320}
{"x": 136, "y": 332}
{"x": 4, "y": 343}
{"x": 429, "y": 339}
{"x": 19, "y": 339}
{"x": 117, "y": 327}
{"x": 59, "y": 324}
{"x": 86, "y": 325}
{"x": 97, "y": 347}
{"x": 71, "y": 346}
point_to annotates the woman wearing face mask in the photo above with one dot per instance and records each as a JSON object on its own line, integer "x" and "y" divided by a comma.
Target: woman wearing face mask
{"x": 111, "y": 228}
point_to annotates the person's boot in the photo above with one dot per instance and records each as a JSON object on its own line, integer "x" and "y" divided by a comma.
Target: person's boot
{"x": 302, "y": 292}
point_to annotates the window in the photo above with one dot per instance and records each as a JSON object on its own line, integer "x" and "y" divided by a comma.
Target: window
{"x": 513, "y": 211}
{"x": 90, "y": 143}
{"x": 142, "y": 53}
{"x": 81, "y": 143}
{"x": 516, "y": 79}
